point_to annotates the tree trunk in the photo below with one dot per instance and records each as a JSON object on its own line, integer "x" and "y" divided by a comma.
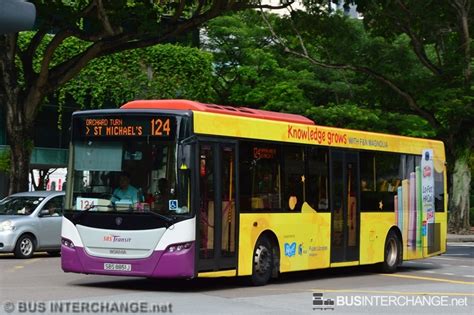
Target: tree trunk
{"x": 18, "y": 125}
{"x": 459, "y": 203}
{"x": 19, "y": 132}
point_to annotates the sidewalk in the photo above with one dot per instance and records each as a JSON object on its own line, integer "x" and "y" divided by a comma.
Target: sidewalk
{"x": 460, "y": 238}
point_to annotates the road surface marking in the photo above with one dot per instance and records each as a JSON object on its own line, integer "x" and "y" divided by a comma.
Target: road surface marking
{"x": 461, "y": 245}
{"x": 378, "y": 292}
{"x": 448, "y": 274}
{"x": 426, "y": 278}
{"x": 443, "y": 258}
{"x": 15, "y": 268}
{"x": 426, "y": 263}
{"x": 32, "y": 261}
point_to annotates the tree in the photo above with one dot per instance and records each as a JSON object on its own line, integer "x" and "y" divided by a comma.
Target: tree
{"x": 106, "y": 27}
{"x": 250, "y": 70}
{"x": 160, "y": 71}
{"x": 418, "y": 55}
{"x": 247, "y": 69}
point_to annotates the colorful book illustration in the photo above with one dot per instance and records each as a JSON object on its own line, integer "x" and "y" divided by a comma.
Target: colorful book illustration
{"x": 419, "y": 208}
{"x": 412, "y": 212}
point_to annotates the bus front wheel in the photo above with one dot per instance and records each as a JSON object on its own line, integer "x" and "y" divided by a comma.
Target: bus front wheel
{"x": 262, "y": 262}
{"x": 392, "y": 253}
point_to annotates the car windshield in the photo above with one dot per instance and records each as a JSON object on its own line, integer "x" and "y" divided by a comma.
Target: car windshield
{"x": 19, "y": 205}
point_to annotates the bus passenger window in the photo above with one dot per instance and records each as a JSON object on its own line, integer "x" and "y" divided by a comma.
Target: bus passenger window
{"x": 380, "y": 176}
{"x": 259, "y": 177}
{"x": 439, "y": 190}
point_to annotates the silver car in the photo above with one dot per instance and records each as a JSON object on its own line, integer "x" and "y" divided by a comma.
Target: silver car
{"x": 31, "y": 221}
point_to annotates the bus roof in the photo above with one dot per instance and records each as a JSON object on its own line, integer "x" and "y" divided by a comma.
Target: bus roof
{"x": 219, "y": 109}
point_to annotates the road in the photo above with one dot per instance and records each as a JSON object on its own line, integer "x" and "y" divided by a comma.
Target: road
{"x": 439, "y": 285}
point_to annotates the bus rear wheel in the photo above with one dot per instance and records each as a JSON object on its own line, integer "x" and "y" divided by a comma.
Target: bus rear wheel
{"x": 392, "y": 253}
{"x": 262, "y": 262}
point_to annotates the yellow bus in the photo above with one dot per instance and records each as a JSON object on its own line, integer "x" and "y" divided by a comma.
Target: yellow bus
{"x": 218, "y": 191}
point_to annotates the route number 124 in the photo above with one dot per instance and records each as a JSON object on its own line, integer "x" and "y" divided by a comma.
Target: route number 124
{"x": 160, "y": 126}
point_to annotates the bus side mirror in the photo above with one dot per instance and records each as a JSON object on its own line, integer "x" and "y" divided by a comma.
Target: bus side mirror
{"x": 184, "y": 157}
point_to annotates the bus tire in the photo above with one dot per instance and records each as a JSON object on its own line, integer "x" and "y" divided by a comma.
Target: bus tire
{"x": 392, "y": 253}
{"x": 25, "y": 247}
{"x": 262, "y": 262}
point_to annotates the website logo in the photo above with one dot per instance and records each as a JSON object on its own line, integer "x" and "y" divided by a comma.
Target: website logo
{"x": 320, "y": 303}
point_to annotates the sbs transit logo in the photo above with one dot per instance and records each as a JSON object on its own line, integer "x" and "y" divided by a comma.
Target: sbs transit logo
{"x": 116, "y": 239}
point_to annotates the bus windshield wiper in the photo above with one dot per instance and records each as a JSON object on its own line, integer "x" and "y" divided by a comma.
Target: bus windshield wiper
{"x": 79, "y": 214}
{"x": 97, "y": 207}
{"x": 163, "y": 217}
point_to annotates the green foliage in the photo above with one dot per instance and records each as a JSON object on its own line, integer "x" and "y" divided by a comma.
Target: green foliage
{"x": 248, "y": 70}
{"x": 434, "y": 68}
{"x": 354, "y": 116}
{"x": 252, "y": 71}
{"x": 161, "y": 71}
{"x": 384, "y": 42}
{"x": 5, "y": 156}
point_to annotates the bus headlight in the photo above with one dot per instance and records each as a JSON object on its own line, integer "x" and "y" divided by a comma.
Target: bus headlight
{"x": 67, "y": 243}
{"x": 178, "y": 247}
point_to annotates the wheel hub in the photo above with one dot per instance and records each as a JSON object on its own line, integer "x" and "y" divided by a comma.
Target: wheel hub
{"x": 262, "y": 260}
{"x": 392, "y": 252}
{"x": 26, "y": 246}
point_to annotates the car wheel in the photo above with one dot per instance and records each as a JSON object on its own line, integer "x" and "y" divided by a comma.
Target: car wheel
{"x": 25, "y": 247}
{"x": 54, "y": 253}
{"x": 392, "y": 253}
{"x": 262, "y": 262}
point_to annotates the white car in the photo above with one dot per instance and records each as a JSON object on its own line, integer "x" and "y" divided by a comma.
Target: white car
{"x": 31, "y": 221}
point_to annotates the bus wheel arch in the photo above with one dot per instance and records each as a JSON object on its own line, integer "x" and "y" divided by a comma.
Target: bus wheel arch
{"x": 265, "y": 258}
{"x": 393, "y": 251}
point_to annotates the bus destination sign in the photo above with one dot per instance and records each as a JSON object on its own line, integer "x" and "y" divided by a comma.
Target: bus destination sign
{"x": 125, "y": 126}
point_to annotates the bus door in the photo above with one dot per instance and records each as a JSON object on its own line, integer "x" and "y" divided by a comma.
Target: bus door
{"x": 217, "y": 208}
{"x": 345, "y": 217}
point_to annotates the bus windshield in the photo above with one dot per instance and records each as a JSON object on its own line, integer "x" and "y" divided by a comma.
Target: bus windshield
{"x": 133, "y": 174}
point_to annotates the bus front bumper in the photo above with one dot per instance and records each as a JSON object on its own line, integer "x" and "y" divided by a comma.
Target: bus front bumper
{"x": 160, "y": 264}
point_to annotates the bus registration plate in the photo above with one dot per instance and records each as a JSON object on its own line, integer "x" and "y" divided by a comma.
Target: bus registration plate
{"x": 117, "y": 267}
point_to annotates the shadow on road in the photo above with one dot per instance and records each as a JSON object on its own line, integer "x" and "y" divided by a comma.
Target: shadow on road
{"x": 298, "y": 279}
{"x": 302, "y": 280}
